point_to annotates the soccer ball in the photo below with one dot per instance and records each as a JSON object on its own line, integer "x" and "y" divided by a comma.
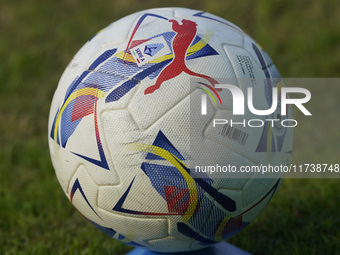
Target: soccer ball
{"x": 124, "y": 137}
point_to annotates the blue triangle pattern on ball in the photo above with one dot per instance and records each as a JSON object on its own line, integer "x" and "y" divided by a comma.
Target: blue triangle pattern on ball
{"x": 163, "y": 142}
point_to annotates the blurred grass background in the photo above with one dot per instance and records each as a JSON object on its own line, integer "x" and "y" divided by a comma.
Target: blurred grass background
{"x": 37, "y": 41}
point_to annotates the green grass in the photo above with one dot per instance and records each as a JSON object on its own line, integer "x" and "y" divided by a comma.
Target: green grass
{"x": 39, "y": 38}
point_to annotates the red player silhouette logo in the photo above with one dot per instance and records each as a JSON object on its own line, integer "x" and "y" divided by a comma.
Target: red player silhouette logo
{"x": 180, "y": 44}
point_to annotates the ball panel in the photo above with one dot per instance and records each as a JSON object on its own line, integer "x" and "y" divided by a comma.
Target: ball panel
{"x": 260, "y": 185}
{"x": 174, "y": 244}
{"x": 138, "y": 198}
{"x": 134, "y": 230}
{"x": 83, "y": 194}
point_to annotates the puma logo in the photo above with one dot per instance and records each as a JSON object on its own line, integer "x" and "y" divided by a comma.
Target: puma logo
{"x": 180, "y": 45}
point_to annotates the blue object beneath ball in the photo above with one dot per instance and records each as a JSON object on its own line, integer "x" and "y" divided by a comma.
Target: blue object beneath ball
{"x": 221, "y": 248}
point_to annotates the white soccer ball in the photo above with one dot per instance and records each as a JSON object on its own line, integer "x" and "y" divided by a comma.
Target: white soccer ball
{"x": 125, "y": 133}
